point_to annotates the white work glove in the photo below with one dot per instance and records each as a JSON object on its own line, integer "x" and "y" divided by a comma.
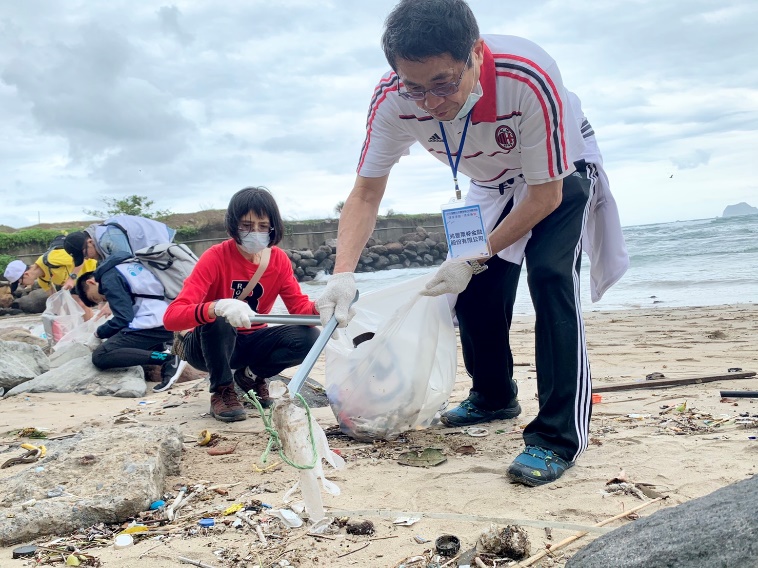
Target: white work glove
{"x": 93, "y": 342}
{"x": 236, "y": 312}
{"x": 452, "y": 277}
{"x": 337, "y": 299}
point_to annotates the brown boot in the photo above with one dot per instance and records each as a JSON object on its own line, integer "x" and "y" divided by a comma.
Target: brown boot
{"x": 249, "y": 383}
{"x": 225, "y": 406}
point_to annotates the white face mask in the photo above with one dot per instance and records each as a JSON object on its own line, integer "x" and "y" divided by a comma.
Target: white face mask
{"x": 475, "y": 94}
{"x": 253, "y": 243}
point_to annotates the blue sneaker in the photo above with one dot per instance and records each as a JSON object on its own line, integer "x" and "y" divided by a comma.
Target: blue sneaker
{"x": 467, "y": 413}
{"x": 537, "y": 466}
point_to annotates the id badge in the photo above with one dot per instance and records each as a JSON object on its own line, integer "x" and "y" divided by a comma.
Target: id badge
{"x": 464, "y": 231}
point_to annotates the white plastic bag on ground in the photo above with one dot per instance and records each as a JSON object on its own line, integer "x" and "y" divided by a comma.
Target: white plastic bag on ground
{"x": 398, "y": 379}
{"x": 62, "y": 314}
{"x": 292, "y": 424}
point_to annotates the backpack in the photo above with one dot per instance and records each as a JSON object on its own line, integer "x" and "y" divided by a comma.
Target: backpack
{"x": 130, "y": 233}
{"x": 55, "y": 244}
{"x": 171, "y": 263}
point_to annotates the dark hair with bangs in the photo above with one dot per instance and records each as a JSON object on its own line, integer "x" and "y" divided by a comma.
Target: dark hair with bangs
{"x": 81, "y": 289}
{"x": 260, "y": 201}
{"x": 418, "y": 29}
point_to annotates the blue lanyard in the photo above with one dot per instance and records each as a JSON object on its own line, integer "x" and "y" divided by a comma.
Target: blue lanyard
{"x": 454, "y": 167}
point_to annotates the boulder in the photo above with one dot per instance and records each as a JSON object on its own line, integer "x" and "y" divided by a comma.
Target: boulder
{"x": 81, "y": 376}
{"x": 20, "y": 363}
{"x": 719, "y": 529}
{"x": 32, "y": 303}
{"x": 24, "y": 336}
{"x": 65, "y": 353}
{"x": 98, "y": 476}
{"x": 394, "y": 248}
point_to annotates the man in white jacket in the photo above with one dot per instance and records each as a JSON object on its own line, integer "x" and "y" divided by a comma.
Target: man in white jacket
{"x": 496, "y": 107}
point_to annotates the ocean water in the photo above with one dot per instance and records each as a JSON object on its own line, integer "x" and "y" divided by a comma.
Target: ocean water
{"x": 686, "y": 263}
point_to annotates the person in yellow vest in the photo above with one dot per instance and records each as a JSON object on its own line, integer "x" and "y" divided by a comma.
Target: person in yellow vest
{"x": 54, "y": 270}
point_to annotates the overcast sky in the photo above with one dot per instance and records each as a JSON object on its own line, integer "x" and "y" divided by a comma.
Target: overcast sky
{"x": 187, "y": 102}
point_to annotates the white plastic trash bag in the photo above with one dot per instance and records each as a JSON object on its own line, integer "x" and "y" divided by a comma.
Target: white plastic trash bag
{"x": 398, "y": 379}
{"x": 62, "y": 314}
{"x": 81, "y": 333}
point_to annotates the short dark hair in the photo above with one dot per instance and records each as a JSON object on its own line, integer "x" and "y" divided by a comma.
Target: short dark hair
{"x": 260, "y": 201}
{"x": 81, "y": 289}
{"x": 418, "y": 29}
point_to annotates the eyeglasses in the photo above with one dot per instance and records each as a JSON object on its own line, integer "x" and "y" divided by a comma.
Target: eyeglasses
{"x": 444, "y": 90}
{"x": 246, "y": 228}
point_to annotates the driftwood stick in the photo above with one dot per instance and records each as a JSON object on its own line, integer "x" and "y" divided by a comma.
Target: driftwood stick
{"x": 542, "y": 553}
{"x": 261, "y": 536}
{"x": 356, "y": 550}
{"x": 672, "y": 382}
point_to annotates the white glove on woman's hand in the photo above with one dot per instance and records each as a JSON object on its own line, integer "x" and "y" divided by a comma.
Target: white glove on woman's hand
{"x": 452, "y": 277}
{"x": 337, "y": 298}
{"x": 93, "y": 342}
{"x": 236, "y": 312}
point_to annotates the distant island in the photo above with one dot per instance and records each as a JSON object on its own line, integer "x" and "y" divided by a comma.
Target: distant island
{"x": 740, "y": 209}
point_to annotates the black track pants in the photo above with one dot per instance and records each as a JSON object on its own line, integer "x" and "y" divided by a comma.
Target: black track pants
{"x": 218, "y": 349}
{"x": 485, "y": 308}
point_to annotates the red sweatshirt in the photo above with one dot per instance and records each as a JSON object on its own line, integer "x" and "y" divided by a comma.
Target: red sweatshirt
{"x": 222, "y": 272}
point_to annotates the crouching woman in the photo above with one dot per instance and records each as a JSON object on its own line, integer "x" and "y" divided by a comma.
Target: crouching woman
{"x": 232, "y": 282}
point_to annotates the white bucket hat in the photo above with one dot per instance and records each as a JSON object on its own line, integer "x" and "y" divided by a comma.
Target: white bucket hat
{"x": 14, "y": 271}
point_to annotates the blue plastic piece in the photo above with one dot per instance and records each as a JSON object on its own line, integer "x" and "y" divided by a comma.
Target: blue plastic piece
{"x": 155, "y": 505}
{"x": 206, "y": 523}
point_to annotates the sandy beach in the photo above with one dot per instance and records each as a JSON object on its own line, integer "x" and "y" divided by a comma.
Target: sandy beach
{"x": 677, "y": 453}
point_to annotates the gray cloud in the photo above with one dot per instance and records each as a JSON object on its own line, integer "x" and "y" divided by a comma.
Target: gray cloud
{"x": 691, "y": 160}
{"x": 188, "y": 102}
{"x": 169, "y": 18}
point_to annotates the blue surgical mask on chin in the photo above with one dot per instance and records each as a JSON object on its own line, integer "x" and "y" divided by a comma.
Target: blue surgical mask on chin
{"x": 475, "y": 94}
{"x": 253, "y": 243}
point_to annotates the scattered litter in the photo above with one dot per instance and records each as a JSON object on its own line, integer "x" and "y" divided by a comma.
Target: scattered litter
{"x": 288, "y": 517}
{"x": 159, "y": 504}
{"x": 24, "y": 551}
{"x": 406, "y": 521}
{"x": 420, "y": 539}
{"x": 428, "y": 457}
{"x": 360, "y": 527}
{"x": 511, "y": 541}
{"x": 207, "y": 523}
{"x": 234, "y": 508}
{"x": 477, "y": 432}
{"x": 222, "y": 451}
{"x": 145, "y": 402}
{"x": 447, "y": 545}
{"x": 205, "y": 438}
{"x": 123, "y": 541}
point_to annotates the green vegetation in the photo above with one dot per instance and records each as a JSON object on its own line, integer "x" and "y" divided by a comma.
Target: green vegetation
{"x": 5, "y": 259}
{"x": 186, "y": 233}
{"x": 139, "y": 205}
{"x": 41, "y": 237}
